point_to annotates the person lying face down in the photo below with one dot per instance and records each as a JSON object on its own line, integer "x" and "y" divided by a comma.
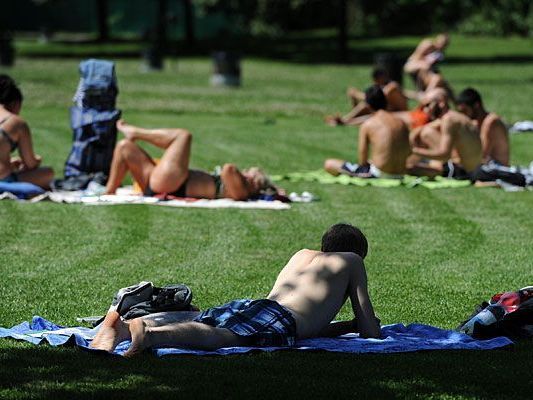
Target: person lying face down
{"x": 15, "y": 135}
{"x": 307, "y": 295}
{"x": 172, "y": 174}
{"x": 386, "y": 135}
{"x": 493, "y": 132}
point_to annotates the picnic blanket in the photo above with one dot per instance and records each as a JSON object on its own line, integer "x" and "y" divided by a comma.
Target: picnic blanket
{"x": 396, "y": 338}
{"x": 407, "y": 181}
{"x": 127, "y": 196}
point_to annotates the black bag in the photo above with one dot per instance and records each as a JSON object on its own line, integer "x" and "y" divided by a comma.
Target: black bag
{"x": 145, "y": 298}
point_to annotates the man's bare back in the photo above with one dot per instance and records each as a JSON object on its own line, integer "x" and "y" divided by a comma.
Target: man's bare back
{"x": 388, "y": 136}
{"x": 315, "y": 285}
{"x": 494, "y": 139}
{"x": 452, "y": 136}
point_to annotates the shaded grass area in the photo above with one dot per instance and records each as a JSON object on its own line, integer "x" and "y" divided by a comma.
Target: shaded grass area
{"x": 443, "y": 375}
{"x": 319, "y": 46}
{"x": 433, "y": 256}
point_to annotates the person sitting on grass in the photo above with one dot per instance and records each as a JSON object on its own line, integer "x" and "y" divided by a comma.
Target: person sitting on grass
{"x": 396, "y": 100}
{"x": 387, "y": 136}
{"x": 15, "y": 135}
{"x": 448, "y": 146}
{"x": 172, "y": 176}
{"x": 308, "y": 293}
{"x": 493, "y": 132}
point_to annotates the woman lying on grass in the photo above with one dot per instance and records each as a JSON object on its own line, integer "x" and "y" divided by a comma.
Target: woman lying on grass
{"x": 172, "y": 175}
{"x": 15, "y": 134}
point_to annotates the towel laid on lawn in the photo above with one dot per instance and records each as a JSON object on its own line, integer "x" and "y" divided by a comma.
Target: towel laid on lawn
{"x": 322, "y": 176}
{"x": 396, "y": 338}
{"x": 127, "y": 196}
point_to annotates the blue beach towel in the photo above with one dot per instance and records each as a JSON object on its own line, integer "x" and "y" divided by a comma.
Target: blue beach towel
{"x": 396, "y": 338}
{"x": 22, "y": 190}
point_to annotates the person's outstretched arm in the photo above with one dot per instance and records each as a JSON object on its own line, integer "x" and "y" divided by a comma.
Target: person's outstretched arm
{"x": 363, "y": 145}
{"x": 29, "y": 159}
{"x": 367, "y": 324}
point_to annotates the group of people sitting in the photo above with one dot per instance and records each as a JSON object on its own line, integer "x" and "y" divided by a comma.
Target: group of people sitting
{"x": 431, "y": 140}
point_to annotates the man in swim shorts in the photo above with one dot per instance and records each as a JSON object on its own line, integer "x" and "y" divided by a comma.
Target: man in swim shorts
{"x": 493, "y": 132}
{"x": 387, "y": 136}
{"x": 449, "y": 146}
{"x": 307, "y": 295}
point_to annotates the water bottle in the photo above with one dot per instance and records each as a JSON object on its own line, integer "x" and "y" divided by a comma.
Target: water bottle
{"x": 488, "y": 316}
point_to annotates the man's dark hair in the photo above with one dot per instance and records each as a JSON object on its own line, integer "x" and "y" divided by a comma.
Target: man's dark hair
{"x": 379, "y": 72}
{"x": 375, "y": 98}
{"x": 345, "y": 237}
{"x": 9, "y": 92}
{"x": 470, "y": 97}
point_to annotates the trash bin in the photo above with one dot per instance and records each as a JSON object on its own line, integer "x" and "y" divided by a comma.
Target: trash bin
{"x": 7, "y": 51}
{"x": 153, "y": 58}
{"x": 226, "y": 69}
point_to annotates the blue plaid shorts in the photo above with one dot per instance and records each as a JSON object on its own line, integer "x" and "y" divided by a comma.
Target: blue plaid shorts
{"x": 266, "y": 322}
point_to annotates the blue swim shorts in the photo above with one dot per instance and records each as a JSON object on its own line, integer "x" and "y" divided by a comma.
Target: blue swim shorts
{"x": 266, "y": 322}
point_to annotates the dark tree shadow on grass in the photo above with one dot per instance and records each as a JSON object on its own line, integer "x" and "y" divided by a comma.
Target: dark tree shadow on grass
{"x": 301, "y": 49}
{"x": 45, "y": 372}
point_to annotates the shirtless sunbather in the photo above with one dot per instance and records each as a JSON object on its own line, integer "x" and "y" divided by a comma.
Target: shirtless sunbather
{"x": 452, "y": 145}
{"x": 308, "y": 293}
{"x": 426, "y": 55}
{"x": 387, "y": 136}
{"x": 493, "y": 132}
{"x": 362, "y": 108}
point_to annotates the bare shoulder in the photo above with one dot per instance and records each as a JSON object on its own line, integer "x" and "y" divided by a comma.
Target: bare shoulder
{"x": 16, "y": 122}
{"x": 341, "y": 259}
{"x": 376, "y": 120}
{"x": 494, "y": 121}
{"x": 304, "y": 254}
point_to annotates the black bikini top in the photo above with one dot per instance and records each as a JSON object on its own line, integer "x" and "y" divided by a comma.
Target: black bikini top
{"x": 12, "y": 143}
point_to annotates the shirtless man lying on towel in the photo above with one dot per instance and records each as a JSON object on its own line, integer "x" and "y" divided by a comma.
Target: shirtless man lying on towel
{"x": 387, "y": 136}
{"x": 308, "y": 293}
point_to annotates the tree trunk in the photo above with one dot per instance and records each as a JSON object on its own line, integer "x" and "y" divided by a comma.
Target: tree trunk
{"x": 102, "y": 11}
{"x": 161, "y": 28}
{"x": 189, "y": 23}
{"x": 343, "y": 34}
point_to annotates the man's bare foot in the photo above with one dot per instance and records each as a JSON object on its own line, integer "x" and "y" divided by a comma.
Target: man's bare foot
{"x": 139, "y": 339}
{"x": 127, "y": 129}
{"x": 112, "y": 331}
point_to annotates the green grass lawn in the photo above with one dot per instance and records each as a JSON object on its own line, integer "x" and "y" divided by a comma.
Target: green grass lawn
{"x": 433, "y": 254}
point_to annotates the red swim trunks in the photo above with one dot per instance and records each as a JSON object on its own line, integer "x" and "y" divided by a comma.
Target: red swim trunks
{"x": 418, "y": 118}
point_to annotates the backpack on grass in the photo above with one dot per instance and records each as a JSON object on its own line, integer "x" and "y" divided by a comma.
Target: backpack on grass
{"x": 505, "y": 314}
{"x": 92, "y": 119}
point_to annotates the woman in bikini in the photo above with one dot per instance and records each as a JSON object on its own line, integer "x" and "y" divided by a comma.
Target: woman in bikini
{"x": 172, "y": 175}
{"x": 15, "y": 134}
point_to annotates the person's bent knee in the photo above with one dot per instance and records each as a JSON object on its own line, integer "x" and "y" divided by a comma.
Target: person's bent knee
{"x": 332, "y": 166}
